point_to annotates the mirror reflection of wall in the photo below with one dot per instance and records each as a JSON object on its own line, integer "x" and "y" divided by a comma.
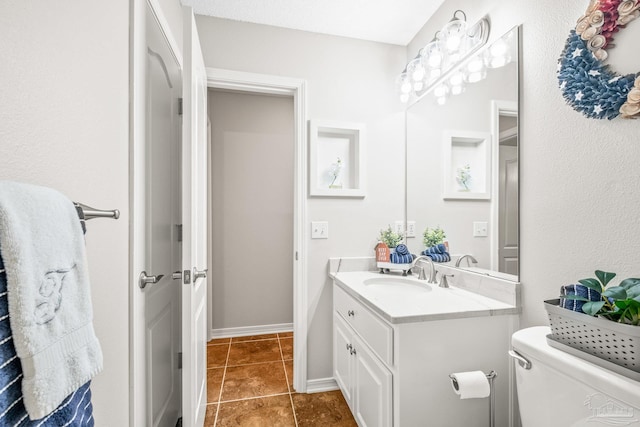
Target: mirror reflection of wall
{"x": 486, "y": 107}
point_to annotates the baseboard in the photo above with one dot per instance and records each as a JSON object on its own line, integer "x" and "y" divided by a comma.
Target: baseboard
{"x": 322, "y": 384}
{"x": 250, "y": 330}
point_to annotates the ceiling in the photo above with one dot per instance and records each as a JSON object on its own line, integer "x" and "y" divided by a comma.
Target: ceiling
{"x": 386, "y": 21}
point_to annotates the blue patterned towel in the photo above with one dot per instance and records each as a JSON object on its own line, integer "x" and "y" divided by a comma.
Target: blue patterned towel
{"x": 438, "y": 253}
{"x": 580, "y": 290}
{"x": 402, "y": 249}
{"x": 76, "y": 410}
{"x": 397, "y": 258}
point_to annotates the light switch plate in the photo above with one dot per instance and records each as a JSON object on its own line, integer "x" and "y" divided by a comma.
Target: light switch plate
{"x": 399, "y": 227}
{"x": 411, "y": 229}
{"x": 480, "y": 229}
{"x": 319, "y": 229}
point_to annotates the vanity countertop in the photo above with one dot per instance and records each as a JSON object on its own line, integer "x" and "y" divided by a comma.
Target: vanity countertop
{"x": 436, "y": 304}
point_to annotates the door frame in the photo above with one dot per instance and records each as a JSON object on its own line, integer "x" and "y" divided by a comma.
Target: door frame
{"x": 498, "y": 108}
{"x": 137, "y": 135}
{"x": 218, "y": 78}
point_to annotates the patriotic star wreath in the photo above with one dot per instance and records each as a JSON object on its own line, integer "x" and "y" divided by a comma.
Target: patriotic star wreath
{"x": 587, "y": 84}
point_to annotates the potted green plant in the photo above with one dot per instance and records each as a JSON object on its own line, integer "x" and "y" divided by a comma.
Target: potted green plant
{"x": 606, "y": 328}
{"x": 433, "y": 236}
{"x": 390, "y": 237}
{"x": 619, "y": 303}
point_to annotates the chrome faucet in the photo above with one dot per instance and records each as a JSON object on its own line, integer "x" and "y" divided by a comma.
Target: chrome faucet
{"x": 459, "y": 260}
{"x": 432, "y": 268}
{"x": 444, "y": 283}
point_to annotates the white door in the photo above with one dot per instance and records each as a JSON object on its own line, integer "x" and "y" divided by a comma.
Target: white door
{"x": 194, "y": 223}
{"x": 161, "y": 216}
{"x": 508, "y": 210}
{"x": 343, "y": 358}
{"x": 373, "y": 388}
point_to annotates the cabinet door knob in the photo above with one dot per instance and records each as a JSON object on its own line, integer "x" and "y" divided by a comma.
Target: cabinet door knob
{"x": 349, "y": 346}
{"x": 352, "y": 351}
{"x": 351, "y": 313}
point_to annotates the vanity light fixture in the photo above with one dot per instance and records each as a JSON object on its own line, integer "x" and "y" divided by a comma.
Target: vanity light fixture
{"x": 432, "y": 67}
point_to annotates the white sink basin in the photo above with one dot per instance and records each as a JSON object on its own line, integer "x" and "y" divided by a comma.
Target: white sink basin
{"x": 395, "y": 287}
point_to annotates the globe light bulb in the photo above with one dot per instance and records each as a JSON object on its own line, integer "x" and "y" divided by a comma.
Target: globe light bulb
{"x": 476, "y": 76}
{"x": 457, "y": 89}
{"x": 433, "y": 54}
{"x": 454, "y": 35}
{"x": 499, "y": 48}
{"x": 475, "y": 65}
{"x": 440, "y": 91}
{"x": 456, "y": 79}
{"x": 403, "y": 83}
{"x": 404, "y": 98}
{"x": 418, "y": 72}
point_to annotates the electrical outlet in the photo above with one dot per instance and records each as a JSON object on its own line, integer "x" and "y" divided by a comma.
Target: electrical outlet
{"x": 319, "y": 230}
{"x": 480, "y": 229}
{"x": 411, "y": 229}
{"x": 399, "y": 227}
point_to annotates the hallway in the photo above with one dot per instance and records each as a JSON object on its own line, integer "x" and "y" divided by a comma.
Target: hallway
{"x": 249, "y": 384}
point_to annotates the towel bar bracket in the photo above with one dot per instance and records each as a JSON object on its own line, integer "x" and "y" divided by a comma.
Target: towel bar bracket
{"x": 91, "y": 213}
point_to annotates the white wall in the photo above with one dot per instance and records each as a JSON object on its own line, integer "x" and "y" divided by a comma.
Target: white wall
{"x": 252, "y": 198}
{"x": 64, "y": 86}
{"x": 348, "y": 80}
{"x": 578, "y": 177}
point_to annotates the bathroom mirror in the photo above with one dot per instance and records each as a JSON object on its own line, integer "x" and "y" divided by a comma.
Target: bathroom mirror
{"x": 462, "y": 161}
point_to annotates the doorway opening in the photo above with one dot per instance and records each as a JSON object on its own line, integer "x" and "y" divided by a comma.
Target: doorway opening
{"x": 251, "y": 140}
{"x": 244, "y": 158}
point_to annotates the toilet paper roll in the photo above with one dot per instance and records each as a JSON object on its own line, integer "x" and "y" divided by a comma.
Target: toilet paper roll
{"x": 470, "y": 385}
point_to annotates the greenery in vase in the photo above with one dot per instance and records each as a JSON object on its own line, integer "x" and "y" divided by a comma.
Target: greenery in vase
{"x": 335, "y": 172}
{"x": 464, "y": 176}
{"x": 433, "y": 236}
{"x": 390, "y": 237}
{"x": 619, "y": 303}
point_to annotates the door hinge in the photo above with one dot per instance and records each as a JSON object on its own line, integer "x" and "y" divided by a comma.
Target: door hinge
{"x": 179, "y": 232}
{"x": 179, "y": 106}
{"x": 180, "y": 360}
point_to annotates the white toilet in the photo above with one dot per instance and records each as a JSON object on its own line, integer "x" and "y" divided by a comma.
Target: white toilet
{"x": 561, "y": 390}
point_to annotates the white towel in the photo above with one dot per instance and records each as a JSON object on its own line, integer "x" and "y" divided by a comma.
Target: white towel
{"x": 42, "y": 246}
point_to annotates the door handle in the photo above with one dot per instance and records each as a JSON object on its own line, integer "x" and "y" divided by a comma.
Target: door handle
{"x": 199, "y": 274}
{"x": 144, "y": 280}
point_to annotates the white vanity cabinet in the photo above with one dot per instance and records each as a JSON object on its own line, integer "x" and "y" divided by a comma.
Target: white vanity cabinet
{"x": 365, "y": 381}
{"x": 394, "y": 372}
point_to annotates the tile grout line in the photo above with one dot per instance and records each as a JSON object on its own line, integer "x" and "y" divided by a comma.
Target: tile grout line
{"x": 255, "y": 363}
{"x": 226, "y": 362}
{"x": 262, "y": 339}
{"x": 293, "y": 408}
{"x": 242, "y": 399}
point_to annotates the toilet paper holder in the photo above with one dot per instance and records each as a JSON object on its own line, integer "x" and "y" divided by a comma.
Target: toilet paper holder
{"x": 492, "y": 399}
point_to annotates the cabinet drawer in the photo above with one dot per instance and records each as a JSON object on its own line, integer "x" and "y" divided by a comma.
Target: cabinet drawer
{"x": 376, "y": 333}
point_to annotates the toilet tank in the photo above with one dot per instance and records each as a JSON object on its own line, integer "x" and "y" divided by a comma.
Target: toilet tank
{"x": 561, "y": 390}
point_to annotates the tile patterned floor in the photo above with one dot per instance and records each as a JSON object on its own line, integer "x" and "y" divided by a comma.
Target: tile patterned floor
{"x": 249, "y": 384}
